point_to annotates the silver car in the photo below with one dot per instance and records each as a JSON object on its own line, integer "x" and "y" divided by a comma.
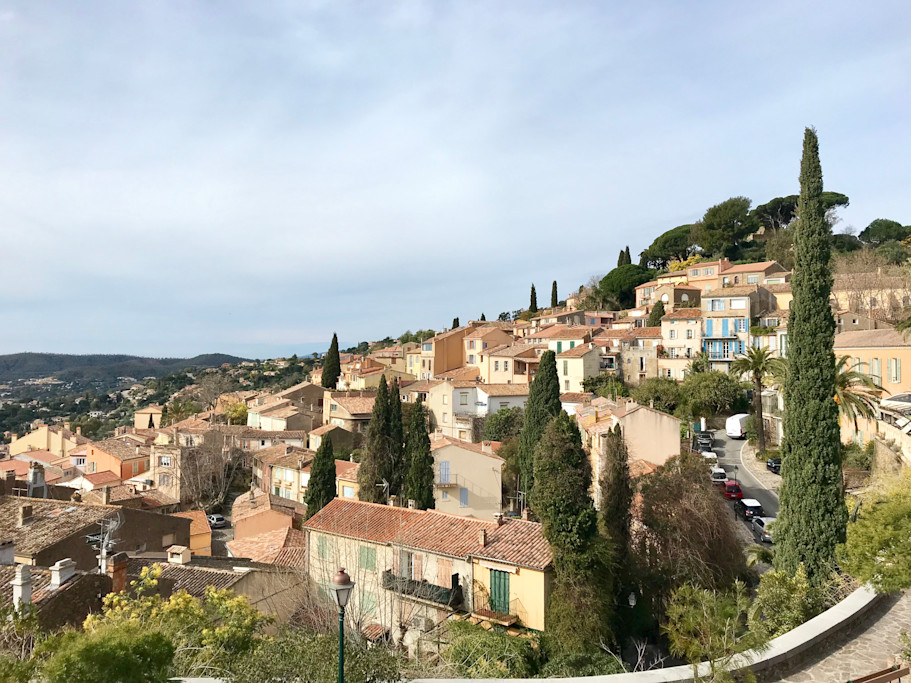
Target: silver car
{"x": 761, "y": 531}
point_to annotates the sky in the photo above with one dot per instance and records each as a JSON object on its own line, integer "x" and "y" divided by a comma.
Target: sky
{"x": 249, "y": 177}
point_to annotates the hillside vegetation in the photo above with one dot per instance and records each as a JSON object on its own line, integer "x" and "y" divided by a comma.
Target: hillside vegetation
{"x": 67, "y": 367}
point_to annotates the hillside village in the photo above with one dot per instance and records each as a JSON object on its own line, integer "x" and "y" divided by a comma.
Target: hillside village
{"x": 220, "y": 497}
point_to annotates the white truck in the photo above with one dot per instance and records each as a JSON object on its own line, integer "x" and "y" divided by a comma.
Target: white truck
{"x": 736, "y": 426}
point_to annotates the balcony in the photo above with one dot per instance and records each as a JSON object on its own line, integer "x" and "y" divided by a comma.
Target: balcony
{"x": 451, "y": 597}
{"x": 483, "y": 607}
{"x": 450, "y": 481}
{"x": 719, "y": 355}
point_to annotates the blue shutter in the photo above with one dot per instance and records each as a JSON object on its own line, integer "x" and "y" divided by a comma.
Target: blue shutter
{"x": 724, "y": 327}
{"x": 463, "y": 497}
{"x": 708, "y": 327}
{"x": 444, "y": 472}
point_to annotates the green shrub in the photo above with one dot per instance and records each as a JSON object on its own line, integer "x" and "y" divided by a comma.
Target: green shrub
{"x": 751, "y": 431}
{"x": 477, "y": 653}
{"x": 783, "y": 602}
{"x": 590, "y": 664}
{"x": 858, "y": 458}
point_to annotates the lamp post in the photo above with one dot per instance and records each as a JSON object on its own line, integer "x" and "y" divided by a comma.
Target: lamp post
{"x": 342, "y": 585}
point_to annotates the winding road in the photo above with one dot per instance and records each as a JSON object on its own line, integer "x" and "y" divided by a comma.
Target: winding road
{"x": 729, "y": 452}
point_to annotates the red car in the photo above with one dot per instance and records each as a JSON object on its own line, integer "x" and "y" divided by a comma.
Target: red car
{"x": 732, "y": 490}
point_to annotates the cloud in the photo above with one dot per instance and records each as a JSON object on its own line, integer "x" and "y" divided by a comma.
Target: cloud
{"x": 181, "y": 177}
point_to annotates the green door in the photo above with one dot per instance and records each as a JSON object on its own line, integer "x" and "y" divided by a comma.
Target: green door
{"x": 499, "y": 591}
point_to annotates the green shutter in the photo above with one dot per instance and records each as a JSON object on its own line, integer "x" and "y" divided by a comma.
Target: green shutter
{"x": 367, "y": 559}
{"x": 499, "y": 591}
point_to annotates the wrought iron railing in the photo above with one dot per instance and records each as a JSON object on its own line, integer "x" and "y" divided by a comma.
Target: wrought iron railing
{"x": 451, "y": 597}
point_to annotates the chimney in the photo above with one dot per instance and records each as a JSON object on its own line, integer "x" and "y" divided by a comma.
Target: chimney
{"x": 482, "y": 538}
{"x": 178, "y": 554}
{"x": 392, "y": 499}
{"x": 525, "y": 514}
{"x": 78, "y": 430}
{"x": 8, "y": 552}
{"x": 22, "y": 586}
{"x": 486, "y": 447}
{"x": 24, "y": 515}
{"x": 106, "y": 495}
{"x": 117, "y": 570}
{"x": 411, "y": 504}
{"x": 13, "y": 437}
{"x": 137, "y": 450}
{"x": 9, "y": 476}
{"x": 68, "y": 426}
{"x": 36, "y": 474}
{"x": 498, "y": 518}
{"x": 61, "y": 572}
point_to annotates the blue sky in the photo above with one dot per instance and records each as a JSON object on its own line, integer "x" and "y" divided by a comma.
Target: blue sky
{"x": 248, "y": 177}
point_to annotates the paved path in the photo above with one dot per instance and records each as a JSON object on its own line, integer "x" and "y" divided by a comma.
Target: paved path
{"x": 870, "y": 645}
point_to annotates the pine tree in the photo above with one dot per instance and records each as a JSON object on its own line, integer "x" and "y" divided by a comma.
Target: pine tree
{"x": 378, "y": 451}
{"x": 543, "y": 405}
{"x": 419, "y": 479}
{"x": 654, "y": 318}
{"x": 616, "y": 493}
{"x": 581, "y": 605}
{"x": 397, "y": 434}
{"x": 455, "y": 323}
{"x": 813, "y": 516}
{"x": 332, "y": 368}
{"x": 533, "y": 303}
{"x": 483, "y": 317}
{"x": 321, "y": 488}
{"x": 624, "y": 259}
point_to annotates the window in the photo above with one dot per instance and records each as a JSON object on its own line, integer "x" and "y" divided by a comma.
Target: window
{"x": 752, "y": 279}
{"x": 895, "y": 370}
{"x": 367, "y": 558}
{"x": 444, "y": 572}
{"x": 471, "y": 358}
{"x": 287, "y": 474}
{"x": 167, "y": 540}
{"x": 445, "y": 417}
{"x": 463, "y": 497}
{"x": 872, "y": 302}
{"x": 323, "y": 548}
{"x": 444, "y": 495}
{"x": 332, "y": 408}
{"x": 164, "y": 479}
{"x": 347, "y": 492}
{"x": 565, "y": 385}
{"x": 716, "y": 304}
{"x": 135, "y": 467}
{"x": 669, "y": 372}
{"x": 463, "y": 398}
{"x": 91, "y": 467}
{"x": 876, "y": 370}
{"x": 427, "y": 347}
{"x": 739, "y": 304}
{"x": 740, "y": 324}
{"x": 504, "y": 404}
{"x": 672, "y": 334}
{"x": 163, "y": 461}
{"x": 566, "y": 367}
{"x": 694, "y": 272}
{"x": 506, "y": 366}
{"x": 80, "y": 462}
{"x": 689, "y": 334}
{"x": 496, "y": 365}
{"x": 444, "y": 471}
{"x": 708, "y": 271}
{"x": 471, "y": 344}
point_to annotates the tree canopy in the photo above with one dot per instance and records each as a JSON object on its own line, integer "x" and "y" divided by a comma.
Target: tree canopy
{"x": 674, "y": 245}
{"x": 332, "y": 368}
{"x": 542, "y": 406}
{"x": 884, "y": 230}
{"x": 618, "y": 287}
{"x": 724, "y": 226}
{"x": 321, "y": 488}
{"x": 654, "y": 318}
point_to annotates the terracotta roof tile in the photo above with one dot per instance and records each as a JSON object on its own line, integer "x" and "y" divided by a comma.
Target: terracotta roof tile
{"x": 51, "y": 522}
{"x": 102, "y": 478}
{"x": 198, "y": 522}
{"x": 871, "y": 339}
{"x": 464, "y": 372}
{"x": 505, "y": 389}
{"x": 367, "y": 521}
{"x": 285, "y": 547}
{"x": 576, "y": 397}
{"x": 516, "y": 350}
{"x": 683, "y": 314}
{"x": 751, "y": 267}
{"x": 577, "y": 352}
{"x": 255, "y": 502}
{"x": 441, "y": 441}
{"x": 120, "y": 450}
{"x": 742, "y": 290}
{"x": 190, "y": 578}
{"x": 564, "y": 332}
{"x": 356, "y": 405}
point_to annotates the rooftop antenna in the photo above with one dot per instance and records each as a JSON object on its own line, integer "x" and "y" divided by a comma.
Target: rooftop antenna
{"x": 105, "y": 539}
{"x": 385, "y": 487}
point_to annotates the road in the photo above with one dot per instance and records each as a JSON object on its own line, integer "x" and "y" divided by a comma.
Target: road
{"x": 728, "y": 451}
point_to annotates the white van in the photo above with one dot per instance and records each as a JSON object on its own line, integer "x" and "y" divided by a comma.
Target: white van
{"x": 736, "y": 426}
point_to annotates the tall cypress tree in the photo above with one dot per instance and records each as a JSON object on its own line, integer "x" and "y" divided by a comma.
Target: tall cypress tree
{"x": 616, "y": 493}
{"x": 627, "y": 259}
{"x": 581, "y": 605}
{"x": 543, "y": 405}
{"x": 654, "y": 318}
{"x": 455, "y": 322}
{"x": 624, "y": 258}
{"x": 321, "y": 488}
{"x": 483, "y": 317}
{"x": 553, "y": 295}
{"x": 397, "y": 435}
{"x": 812, "y": 518}
{"x": 377, "y": 458}
{"x": 419, "y": 478}
{"x": 332, "y": 368}
{"x": 533, "y": 300}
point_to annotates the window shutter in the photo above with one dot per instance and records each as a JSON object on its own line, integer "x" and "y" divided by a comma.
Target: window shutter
{"x": 418, "y": 566}
{"x": 444, "y": 572}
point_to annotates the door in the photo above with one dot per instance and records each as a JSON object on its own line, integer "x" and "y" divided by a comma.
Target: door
{"x": 499, "y": 591}
{"x": 444, "y": 472}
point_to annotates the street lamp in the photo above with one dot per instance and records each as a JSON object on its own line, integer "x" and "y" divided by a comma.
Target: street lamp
{"x": 342, "y": 585}
{"x": 632, "y": 600}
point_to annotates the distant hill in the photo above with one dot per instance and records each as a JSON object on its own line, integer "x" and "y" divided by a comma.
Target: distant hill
{"x": 102, "y": 367}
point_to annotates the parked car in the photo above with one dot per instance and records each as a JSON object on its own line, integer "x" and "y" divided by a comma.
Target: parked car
{"x": 710, "y": 457}
{"x": 773, "y": 465}
{"x": 719, "y": 476}
{"x": 732, "y": 490}
{"x": 705, "y": 439}
{"x": 736, "y": 426}
{"x": 216, "y": 521}
{"x": 748, "y": 508}
{"x": 761, "y": 531}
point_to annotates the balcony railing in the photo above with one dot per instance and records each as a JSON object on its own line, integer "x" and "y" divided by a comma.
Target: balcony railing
{"x": 451, "y": 597}
{"x": 449, "y": 482}
{"x": 719, "y": 355}
{"x": 503, "y": 613}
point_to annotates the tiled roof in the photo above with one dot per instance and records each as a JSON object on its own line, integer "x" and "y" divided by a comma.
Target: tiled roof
{"x": 356, "y": 405}
{"x": 283, "y": 455}
{"x": 640, "y": 468}
{"x": 118, "y": 494}
{"x": 871, "y": 339}
{"x": 153, "y": 408}
{"x": 683, "y": 314}
{"x": 102, "y": 478}
{"x": 41, "y": 580}
{"x": 742, "y": 290}
{"x": 517, "y": 542}
{"x": 779, "y": 287}
{"x": 751, "y": 267}
{"x": 198, "y": 522}
{"x": 577, "y": 352}
{"x": 155, "y": 498}
{"x": 345, "y": 469}
{"x": 120, "y": 450}
{"x": 286, "y": 547}
{"x": 186, "y": 577}
{"x": 481, "y": 332}
{"x": 575, "y": 397}
{"x": 68, "y": 435}
{"x": 505, "y": 389}
{"x": 448, "y": 333}
{"x": 45, "y": 457}
{"x": 516, "y": 350}
{"x": 325, "y": 429}
{"x": 271, "y": 404}
{"x": 464, "y": 372}
{"x": 366, "y": 521}
{"x": 246, "y": 505}
{"x": 441, "y": 441}
{"x": 564, "y": 332}
{"x": 643, "y": 332}
{"x": 423, "y": 386}
{"x": 20, "y": 467}
{"x": 52, "y": 521}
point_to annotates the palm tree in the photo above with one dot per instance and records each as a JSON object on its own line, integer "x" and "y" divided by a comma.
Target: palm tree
{"x": 700, "y": 363}
{"x": 757, "y": 363}
{"x": 856, "y": 393}
{"x": 759, "y": 554}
